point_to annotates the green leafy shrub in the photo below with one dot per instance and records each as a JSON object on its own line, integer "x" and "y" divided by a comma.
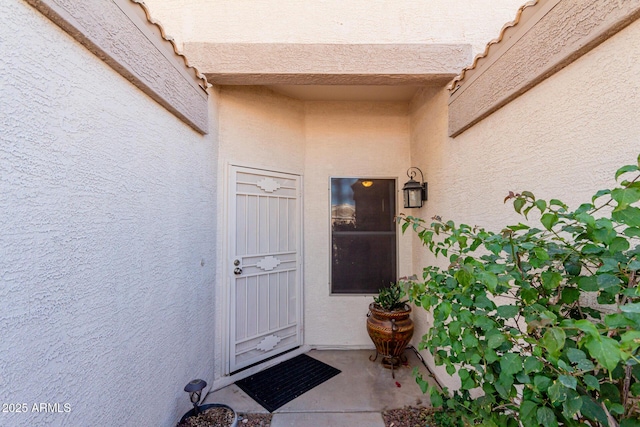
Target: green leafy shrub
{"x": 544, "y": 323}
{"x": 390, "y": 298}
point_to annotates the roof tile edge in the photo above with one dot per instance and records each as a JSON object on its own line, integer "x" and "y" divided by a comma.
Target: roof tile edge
{"x": 456, "y": 82}
{"x": 204, "y": 84}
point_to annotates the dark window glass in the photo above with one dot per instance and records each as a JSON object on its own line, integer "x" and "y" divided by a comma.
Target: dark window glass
{"x": 363, "y": 235}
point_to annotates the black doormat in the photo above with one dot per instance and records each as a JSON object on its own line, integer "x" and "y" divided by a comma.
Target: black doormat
{"x": 287, "y": 380}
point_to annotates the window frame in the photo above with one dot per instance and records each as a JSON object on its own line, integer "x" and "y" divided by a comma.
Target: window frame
{"x": 396, "y": 242}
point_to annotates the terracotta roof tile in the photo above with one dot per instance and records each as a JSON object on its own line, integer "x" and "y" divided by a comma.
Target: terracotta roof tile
{"x": 204, "y": 84}
{"x": 457, "y": 81}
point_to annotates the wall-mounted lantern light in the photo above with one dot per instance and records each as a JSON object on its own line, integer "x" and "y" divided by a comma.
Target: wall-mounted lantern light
{"x": 414, "y": 192}
{"x": 194, "y": 388}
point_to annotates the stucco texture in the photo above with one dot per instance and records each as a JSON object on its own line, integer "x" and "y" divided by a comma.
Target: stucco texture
{"x": 562, "y": 139}
{"x": 107, "y": 238}
{"x": 263, "y": 129}
{"x": 345, "y": 139}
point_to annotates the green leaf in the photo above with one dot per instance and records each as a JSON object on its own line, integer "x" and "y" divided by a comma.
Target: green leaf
{"x": 630, "y": 308}
{"x": 558, "y": 392}
{"x": 518, "y": 204}
{"x": 511, "y": 364}
{"x": 625, "y": 169}
{"x": 542, "y": 205}
{"x": 607, "y": 281}
{"x": 617, "y": 320}
{"x": 532, "y": 364}
{"x": 553, "y": 340}
{"x": 442, "y": 311}
{"x": 469, "y": 339}
{"x": 625, "y": 197}
{"x": 546, "y": 417}
{"x": 455, "y": 329}
{"x": 530, "y": 295}
{"x": 632, "y": 231}
{"x": 604, "y": 235}
{"x": 629, "y": 216}
{"x": 556, "y": 202}
{"x": 542, "y": 383}
{"x": 550, "y": 279}
{"x": 634, "y": 265}
{"x": 600, "y": 194}
{"x": 549, "y": 220}
{"x": 528, "y": 411}
{"x": 592, "y": 249}
{"x": 564, "y": 366}
{"x": 464, "y": 277}
{"x": 605, "y": 350}
{"x": 588, "y": 283}
{"x": 630, "y": 341}
{"x": 616, "y": 409}
{"x": 568, "y": 382}
{"x": 630, "y": 422}
{"x": 575, "y": 355}
{"x": 570, "y": 295}
{"x": 495, "y": 340}
{"x": 591, "y": 382}
{"x": 508, "y": 311}
{"x": 436, "y": 399}
{"x": 571, "y": 406}
{"x": 424, "y": 384}
{"x": 482, "y": 301}
{"x": 523, "y": 378}
{"x": 585, "y": 365}
{"x": 593, "y": 411}
{"x": 504, "y": 385}
{"x": 541, "y": 254}
{"x": 619, "y": 244}
{"x": 587, "y": 327}
{"x": 490, "y": 280}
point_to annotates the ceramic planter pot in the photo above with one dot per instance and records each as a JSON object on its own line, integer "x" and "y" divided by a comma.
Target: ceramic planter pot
{"x": 390, "y": 332}
{"x": 203, "y": 408}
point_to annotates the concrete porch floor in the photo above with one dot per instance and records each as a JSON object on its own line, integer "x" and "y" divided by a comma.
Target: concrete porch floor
{"x": 355, "y": 397}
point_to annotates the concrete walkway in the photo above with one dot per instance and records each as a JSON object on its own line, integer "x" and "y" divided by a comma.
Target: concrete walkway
{"x": 355, "y": 397}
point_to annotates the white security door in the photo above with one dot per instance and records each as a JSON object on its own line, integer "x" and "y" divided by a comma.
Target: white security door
{"x": 264, "y": 265}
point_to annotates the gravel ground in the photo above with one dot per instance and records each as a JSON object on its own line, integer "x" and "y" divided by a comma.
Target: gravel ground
{"x": 404, "y": 417}
{"x": 212, "y": 417}
{"x": 408, "y": 416}
{"x": 254, "y": 420}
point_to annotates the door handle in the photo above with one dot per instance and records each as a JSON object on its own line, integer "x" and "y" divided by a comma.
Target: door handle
{"x": 237, "y": 271}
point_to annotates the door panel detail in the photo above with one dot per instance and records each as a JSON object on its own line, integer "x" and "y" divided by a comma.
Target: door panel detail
{"x": 268, "y": 185}
{"x": 268, "y": 343}
{"x": 264, "y": 261}
{"x": 269, "y": 263}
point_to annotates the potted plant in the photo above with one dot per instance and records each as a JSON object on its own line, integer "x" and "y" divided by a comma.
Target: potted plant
{"x": 389, "y": 325}
{"x": 212, "y": 414}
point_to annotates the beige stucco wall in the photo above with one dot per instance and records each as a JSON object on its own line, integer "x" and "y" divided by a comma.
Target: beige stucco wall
{"x": 563, "y": 139}
{"x": 107, "y": 238}
{"x": 259, "y": 129}
{"x": 262, "y": 129}
{"x": 335, "y": 21}
{"x": 345, "y": 139}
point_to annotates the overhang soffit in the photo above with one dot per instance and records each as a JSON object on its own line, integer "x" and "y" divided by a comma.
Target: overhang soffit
{"x": 297, "y": 63}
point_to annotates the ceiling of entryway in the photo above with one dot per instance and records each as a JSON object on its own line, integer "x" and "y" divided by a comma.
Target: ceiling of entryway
{"x": 347, "y": 92}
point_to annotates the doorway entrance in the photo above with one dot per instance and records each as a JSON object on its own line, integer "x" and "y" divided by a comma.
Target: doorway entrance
{"x": 265, "y": 253}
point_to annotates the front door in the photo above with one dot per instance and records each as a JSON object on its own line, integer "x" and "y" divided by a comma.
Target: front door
{"x": 264, "y": 265}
